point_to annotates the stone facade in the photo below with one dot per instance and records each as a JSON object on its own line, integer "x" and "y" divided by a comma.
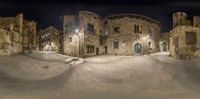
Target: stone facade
{"x": 89, "y": 34}
{"x": 85, "y": 41}
{"x": 17, "y": 35}
{"x": 49, "y": 39}
{"x": 185, "y": 39}
{"x": 131, "y": 34}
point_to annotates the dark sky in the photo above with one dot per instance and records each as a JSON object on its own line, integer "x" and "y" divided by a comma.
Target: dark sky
{"x": 47, "y": 13}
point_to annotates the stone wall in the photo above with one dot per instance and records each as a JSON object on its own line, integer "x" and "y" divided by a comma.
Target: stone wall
{"x": 95, "y": 34}
{"x": 71, "y": 41}
{"x": 10, "y": 42}
{"x": 29, "y": 35}
{"x": 180, "y": 18}
{"x": 196, "y": 21}
{"x": 22, "y": 33}
{"x": 91, "y": 38}
{"x": 178, "y": 45}
{"x": 127, "y": 36}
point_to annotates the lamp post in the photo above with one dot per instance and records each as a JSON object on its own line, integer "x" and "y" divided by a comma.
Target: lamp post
{"x": 76, "y": 33}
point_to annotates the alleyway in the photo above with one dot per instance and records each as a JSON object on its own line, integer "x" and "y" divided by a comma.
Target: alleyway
{"x": 154, "y": 76}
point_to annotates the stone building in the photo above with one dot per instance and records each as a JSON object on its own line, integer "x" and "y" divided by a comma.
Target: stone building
{"x": 185, "y": 38}
{"x": 82, "y": 34}
{"x": 17, "y": 35}
{"x": 131, "y": 34}
{"x": 89, "y": 34}
{"x": 49, "y": 39}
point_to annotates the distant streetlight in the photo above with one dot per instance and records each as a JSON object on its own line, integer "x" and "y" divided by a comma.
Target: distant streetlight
{"x": 77, "y": 30}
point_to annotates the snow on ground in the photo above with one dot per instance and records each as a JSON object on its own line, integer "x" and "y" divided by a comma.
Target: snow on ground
{"x": 154, "y": 76}
{"x": 36, "y": 66}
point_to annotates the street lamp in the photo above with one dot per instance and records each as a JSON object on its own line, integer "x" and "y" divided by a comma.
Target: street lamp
{"x": 76, "y": 33}
{"x": 76, "y": 30}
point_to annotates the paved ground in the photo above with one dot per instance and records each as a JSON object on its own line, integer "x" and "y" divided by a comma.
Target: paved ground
{"x": 154, "y": 76}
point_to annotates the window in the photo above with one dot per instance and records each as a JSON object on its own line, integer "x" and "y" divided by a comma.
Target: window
{"x": 101, "y": 32}
{"x": 137, "y": 29}
{"x": 70, "y": 39}
{"x": 150, "y": 32}
{"x": 90, "y": 28}
{"x": 90, "y": 48}
{"x": 140, "y": 29}
{"x": 116, "y": 44}
{"x": 105, "y": 23}
{"x": 116, "y": 30}
{"x": 100, "y": 40}
{"x": 191, "y": 38}
{"x": 149, "y": 44}
{"x": 68, "y": 27}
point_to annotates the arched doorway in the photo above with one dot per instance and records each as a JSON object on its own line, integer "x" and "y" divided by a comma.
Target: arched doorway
{"x": 138, "y": 48}
{"x": 164, "y": 46}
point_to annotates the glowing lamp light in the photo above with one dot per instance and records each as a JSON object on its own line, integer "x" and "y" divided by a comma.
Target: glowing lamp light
{"x": 76, "y": 30}
{"x": 147, "y": 36}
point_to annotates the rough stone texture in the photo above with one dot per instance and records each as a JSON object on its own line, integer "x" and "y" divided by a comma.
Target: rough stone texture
{"x": 22, "y": 34}
{"x": 184, "y": 50}
{"x": 69, "y": 25}
{"x": 180, "y": 18}
{"x": 126, "y": 37}
{"x": 29, "y": 35}
{"x": 91, "y": 39}
{"x": 178, "y": 45}
{"x": 49, "y": 39}
{"x": 77, "y": 47}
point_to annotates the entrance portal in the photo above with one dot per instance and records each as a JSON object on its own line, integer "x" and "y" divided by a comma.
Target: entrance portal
{"x": 105, "y": 49}
{"x": 138, "y": 48}
{"x": 97, "y": 51}
{"x": 164, "y": 46}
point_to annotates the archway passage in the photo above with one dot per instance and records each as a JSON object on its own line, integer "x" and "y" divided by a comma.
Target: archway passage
{"x": 138, "y": 48}
{"x": 164, "y": 46}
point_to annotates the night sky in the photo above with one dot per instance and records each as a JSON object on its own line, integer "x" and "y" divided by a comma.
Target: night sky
{"x": 47, "y": 13}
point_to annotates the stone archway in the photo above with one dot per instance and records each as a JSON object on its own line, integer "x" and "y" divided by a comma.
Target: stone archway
{"x": 164, "y": 46}
{"x": 138, "y": 48}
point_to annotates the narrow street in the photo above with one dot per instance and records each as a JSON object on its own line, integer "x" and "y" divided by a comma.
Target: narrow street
{"x": 154, "y": 76}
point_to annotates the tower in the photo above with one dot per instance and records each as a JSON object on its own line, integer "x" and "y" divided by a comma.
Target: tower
{"x": 179, "y": 18}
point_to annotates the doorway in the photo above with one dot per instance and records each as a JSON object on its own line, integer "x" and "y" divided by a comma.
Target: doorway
{"x": 164, "y": 46}
{"x": 138, "y": 48}
{"x": 106, "y": 49}
{"x": 97, "y": 51}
